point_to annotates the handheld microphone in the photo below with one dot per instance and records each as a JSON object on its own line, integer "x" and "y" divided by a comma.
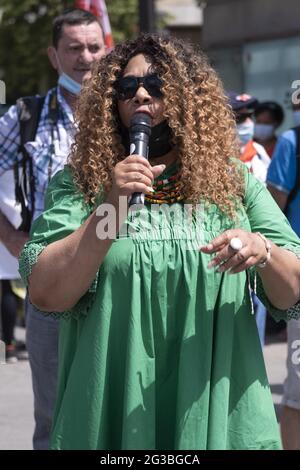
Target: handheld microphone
{"x": 139, "y": 133}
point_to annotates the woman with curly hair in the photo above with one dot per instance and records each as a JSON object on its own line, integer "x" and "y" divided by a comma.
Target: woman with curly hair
{"x": 158, "y": 346}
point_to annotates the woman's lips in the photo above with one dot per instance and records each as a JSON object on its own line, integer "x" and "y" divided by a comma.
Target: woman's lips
{"x": 143, "y": 110}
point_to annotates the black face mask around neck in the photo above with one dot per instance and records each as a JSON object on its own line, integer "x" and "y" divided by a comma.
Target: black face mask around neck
{"x": 160, "y": 142}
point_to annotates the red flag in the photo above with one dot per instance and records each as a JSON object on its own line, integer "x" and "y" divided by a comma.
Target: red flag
{"x": 83, "y": 4}
{"x": 98, "y": 8}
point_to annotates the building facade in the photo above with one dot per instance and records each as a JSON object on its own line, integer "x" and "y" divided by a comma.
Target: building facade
{"x": 182, "y": 18}
{"x": 255, "y": 46}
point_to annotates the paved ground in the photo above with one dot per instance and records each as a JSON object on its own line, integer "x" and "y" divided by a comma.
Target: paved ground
{"x": 16, "y": 403}
{"x": 275, "y": 357}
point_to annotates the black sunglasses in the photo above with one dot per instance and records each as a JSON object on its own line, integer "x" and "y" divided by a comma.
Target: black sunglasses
{"x": 127, "y": 86}
{"x": 241, "y": 118}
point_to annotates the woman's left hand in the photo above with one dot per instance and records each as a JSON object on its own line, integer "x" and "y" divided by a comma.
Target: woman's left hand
{"x": 253, "y": 251}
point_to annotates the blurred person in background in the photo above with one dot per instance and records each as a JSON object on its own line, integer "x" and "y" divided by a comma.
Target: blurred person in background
{"x": 252, "y": 154}
{"x": 257, "y": 160}
{"x": 8, "y": 269}
{"x": 268, "y": 117}
{"x": 77, "y": 43}
{"x": 284, "y": 184}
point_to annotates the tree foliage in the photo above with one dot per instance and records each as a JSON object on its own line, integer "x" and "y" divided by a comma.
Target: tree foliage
{"x": 25, "y": 33}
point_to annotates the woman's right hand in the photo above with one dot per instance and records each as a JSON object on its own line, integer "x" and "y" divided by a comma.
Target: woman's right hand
{"x": 134, "y": 174}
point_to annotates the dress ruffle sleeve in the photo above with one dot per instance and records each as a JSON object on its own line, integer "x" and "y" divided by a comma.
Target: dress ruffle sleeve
{"x": 65, "y": 211}
{"x": 266, "y": 217}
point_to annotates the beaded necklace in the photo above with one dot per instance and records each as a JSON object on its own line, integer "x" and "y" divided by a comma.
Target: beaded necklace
{"x": 167, "y": 190}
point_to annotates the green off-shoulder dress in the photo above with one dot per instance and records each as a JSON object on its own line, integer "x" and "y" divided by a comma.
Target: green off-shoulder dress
{"x": 162, "y": 352}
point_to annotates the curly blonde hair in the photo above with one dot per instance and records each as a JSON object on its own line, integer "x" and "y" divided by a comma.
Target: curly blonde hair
{"x": 196, "y": 109}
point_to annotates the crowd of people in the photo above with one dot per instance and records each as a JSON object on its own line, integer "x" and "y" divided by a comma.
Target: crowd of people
{"x": 149, "y": 334}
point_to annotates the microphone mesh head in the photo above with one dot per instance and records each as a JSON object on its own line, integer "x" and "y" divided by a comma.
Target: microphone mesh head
{"x": 140, "y": 122}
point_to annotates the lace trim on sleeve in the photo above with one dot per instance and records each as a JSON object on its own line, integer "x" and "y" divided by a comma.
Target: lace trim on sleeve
{"x": 28, "y": 259}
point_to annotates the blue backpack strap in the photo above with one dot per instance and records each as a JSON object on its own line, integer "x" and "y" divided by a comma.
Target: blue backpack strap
{"x": 296, "y": 187}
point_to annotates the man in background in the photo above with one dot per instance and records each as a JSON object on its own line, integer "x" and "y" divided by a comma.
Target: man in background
{"x": 77, "y": 43}
{"x": 284, "y": 184}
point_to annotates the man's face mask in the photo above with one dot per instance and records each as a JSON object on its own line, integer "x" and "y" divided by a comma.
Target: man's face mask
{"x": 245, "y": 131}
{"x": 69, "y": 84}
{"x": 296, "y": 117}
{"x": 264, "y": 131}
{"x": 66, "y": 82}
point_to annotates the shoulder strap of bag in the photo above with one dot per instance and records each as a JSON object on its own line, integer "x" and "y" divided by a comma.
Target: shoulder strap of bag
{"x": 29, "y": 111}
